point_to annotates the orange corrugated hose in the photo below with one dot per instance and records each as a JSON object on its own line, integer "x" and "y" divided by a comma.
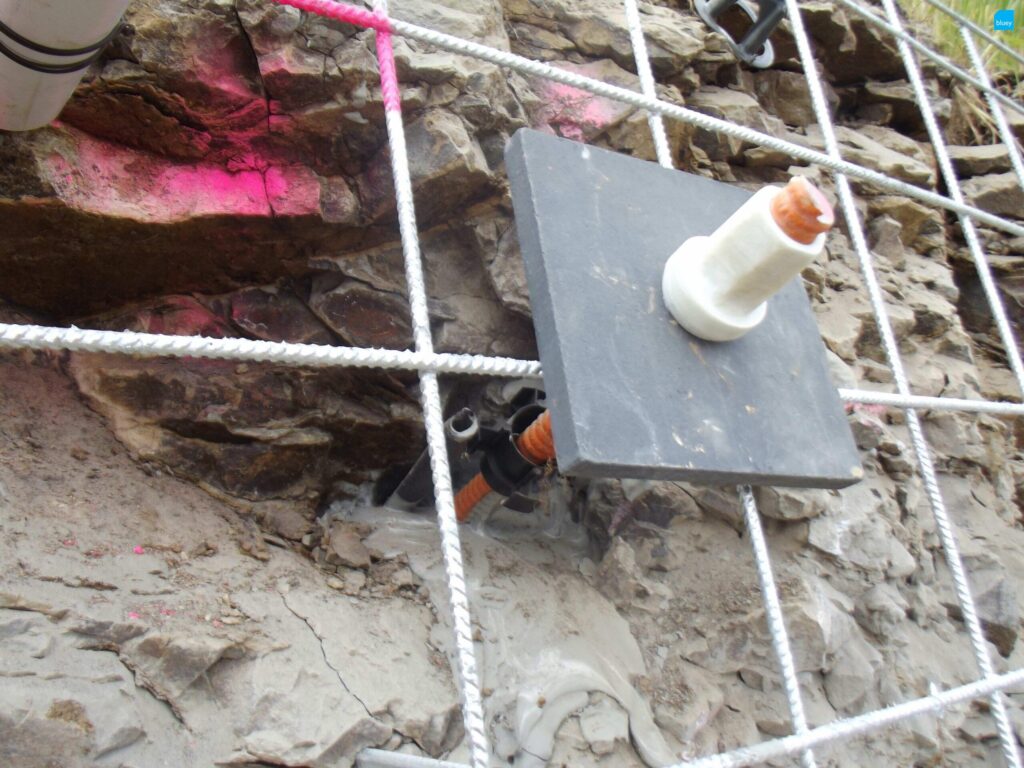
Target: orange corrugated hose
{"x": 472, "y": 493}
{"x": 537, "y": 446}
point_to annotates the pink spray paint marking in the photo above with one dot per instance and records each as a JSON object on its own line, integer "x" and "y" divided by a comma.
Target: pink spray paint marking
{"x": 574, "y": 113}
{"x": 104, "y": 179}
{"x": 138, "y": 550}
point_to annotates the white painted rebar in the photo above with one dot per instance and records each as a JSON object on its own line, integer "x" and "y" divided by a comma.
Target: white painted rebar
{"x": 380, "y": 758}
{"x": 841, "y": 730}
{"x": 250, "y": 350}
{"x": 943, "y": 523}
{"x": 647, "y": 85}
{"x": 692, "y": 117}
{"x": 321, "y": 356}
{"x": 1009, "y": 140}
{"x": 964, "y": 21}
{"x": 981, "y": 265}
{"x": 923, "y": 403}
{"x": 433, "y": 418}
{"x": 928, "y": 53}
{"x": 776, "y": 623}
{"x": 773, "y": 608}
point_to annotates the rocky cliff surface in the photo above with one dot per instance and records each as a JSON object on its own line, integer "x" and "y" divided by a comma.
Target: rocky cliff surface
{"x": 172, "y": 595}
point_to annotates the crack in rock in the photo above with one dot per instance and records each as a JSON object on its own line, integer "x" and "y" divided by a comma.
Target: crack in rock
{"x": 323, "y": 652}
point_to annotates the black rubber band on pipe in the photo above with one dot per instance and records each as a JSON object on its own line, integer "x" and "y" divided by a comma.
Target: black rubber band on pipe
{"x": 53, "y": 69}
{"x": 23, "y": 41}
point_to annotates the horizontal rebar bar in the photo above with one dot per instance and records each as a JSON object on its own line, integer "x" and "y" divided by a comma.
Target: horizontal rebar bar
{"x": 529, "y": 66}
{"x": 318, "y": 355}
{"x": 379, "y": 758}
{"x": 840, "y": 730}
{"x": 309, "y": 355}
{"x": 925, "y": 403}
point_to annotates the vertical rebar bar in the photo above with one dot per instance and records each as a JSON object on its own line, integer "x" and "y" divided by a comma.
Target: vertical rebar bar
{"x": 773, "y": 608}
{"x": 451, "y": 547}
{"x": 776, "y": 623}
{"x": 647, "y": 84}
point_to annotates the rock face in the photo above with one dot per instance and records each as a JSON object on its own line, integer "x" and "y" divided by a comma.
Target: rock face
{"x": 997, "y": 193}
{"x": 125, "y": 643}
{"x": 254, "y": 431}
{"x": 195, "y": 576}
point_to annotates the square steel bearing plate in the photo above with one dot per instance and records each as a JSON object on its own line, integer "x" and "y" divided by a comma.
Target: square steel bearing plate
{"x": 631, "y": 393}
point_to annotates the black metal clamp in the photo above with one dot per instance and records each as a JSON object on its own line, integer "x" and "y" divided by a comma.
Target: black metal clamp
{"x": 755, "y": 49}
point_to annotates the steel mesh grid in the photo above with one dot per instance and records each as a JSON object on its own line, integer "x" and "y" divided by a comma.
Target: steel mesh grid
{"x": 428, "y": 363}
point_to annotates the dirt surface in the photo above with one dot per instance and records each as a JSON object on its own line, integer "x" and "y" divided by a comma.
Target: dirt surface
{"x": 139, "y": 631}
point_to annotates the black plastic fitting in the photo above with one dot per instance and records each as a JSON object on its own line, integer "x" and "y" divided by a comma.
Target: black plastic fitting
{"x": 418, "y": 484}
{"x": 504, "y": 467}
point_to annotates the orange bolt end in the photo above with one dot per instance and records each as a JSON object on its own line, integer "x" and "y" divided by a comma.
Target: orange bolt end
{"x": 801, "y": 210}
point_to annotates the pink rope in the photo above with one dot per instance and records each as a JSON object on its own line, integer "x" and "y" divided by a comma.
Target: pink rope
{"x": 350, "y": 14}
{"x": 389, "y": 90}
{"x": 361, "y": 17}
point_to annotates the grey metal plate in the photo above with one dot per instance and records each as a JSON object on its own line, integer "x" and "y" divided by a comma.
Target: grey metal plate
{"x": 631, "y": 393}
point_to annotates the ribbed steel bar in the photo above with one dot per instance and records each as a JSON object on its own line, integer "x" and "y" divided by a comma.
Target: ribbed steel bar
{"x": 647, "y": 85}
{"x": 539, "y": 69}
{"x": 566, "y": 77}
{"x": 379, "y": 758}
{"x": 306, "y": 355}
{"x": 776, "y": 622}
{"x": 842, "y": 730}
{"x": 762, "y": 561}
{"x": 433, "y": 419}
{"x": 923, "y": 403}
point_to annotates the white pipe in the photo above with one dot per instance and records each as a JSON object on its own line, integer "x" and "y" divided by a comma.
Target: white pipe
{"x": 36, "y": 32}
{"x": 717, "y": 287}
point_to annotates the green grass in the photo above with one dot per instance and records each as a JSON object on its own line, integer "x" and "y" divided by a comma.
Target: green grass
{"x": 946, "y": 35}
